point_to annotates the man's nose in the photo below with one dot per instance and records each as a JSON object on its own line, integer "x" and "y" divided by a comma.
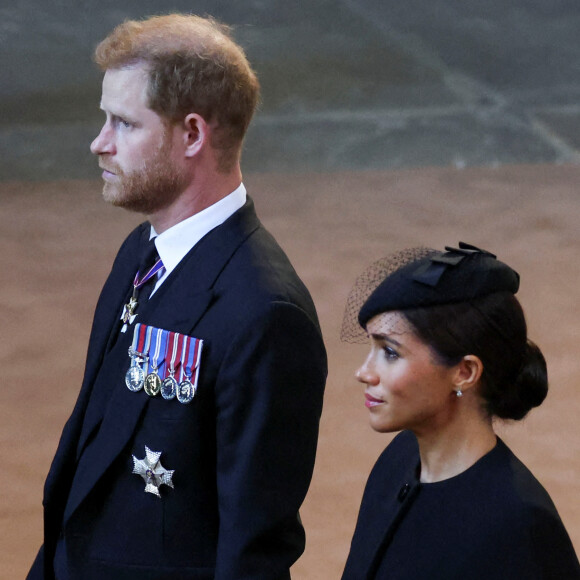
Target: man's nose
{"x": 103, "y": 142}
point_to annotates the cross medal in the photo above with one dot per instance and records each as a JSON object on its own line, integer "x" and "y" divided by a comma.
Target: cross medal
{"x": 129, "y": 309}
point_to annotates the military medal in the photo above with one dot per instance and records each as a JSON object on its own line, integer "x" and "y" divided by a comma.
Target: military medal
{"x": 152, "y": 380}
{"x": 129, "y": 309}
{"x": 135, "y": 376}
{"x": 185, "y": 391}
{"x": 170, "y": 385}
{"x": 152, "y": 472}
{"x": 152, "y": 384}
{"x": 156, "y": 356}
{"x": 190, "y": 361}
{"x": 128, "y": 314}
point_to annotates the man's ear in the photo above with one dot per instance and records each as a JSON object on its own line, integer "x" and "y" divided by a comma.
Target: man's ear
{"x": 195, "y": 134}
{"x": 468, "y": 372}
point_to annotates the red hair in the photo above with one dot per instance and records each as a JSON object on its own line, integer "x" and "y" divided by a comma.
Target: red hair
{"x": 194, "y": 67}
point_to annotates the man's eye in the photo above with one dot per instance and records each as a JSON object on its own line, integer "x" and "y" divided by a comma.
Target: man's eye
{"x": 119, "y": 122}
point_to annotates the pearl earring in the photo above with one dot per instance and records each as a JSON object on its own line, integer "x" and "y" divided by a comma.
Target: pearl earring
{"x": 459, "y": 393}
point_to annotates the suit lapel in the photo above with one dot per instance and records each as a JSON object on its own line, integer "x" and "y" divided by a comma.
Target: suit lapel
{"x": 106, "y": 312}
{"x": 126, "y": 272}
{"x": 178, "y": 305}
{"x": 107, "y": 323}
{"x": 187, "y": 293}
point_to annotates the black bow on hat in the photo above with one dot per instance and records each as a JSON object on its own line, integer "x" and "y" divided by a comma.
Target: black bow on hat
{"x": 431, "y": 272}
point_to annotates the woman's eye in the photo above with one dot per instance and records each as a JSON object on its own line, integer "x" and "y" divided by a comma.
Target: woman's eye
{"x": 390, "y": 354}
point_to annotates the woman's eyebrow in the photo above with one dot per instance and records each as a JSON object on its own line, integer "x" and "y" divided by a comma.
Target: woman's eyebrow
{"x": 385, "y": 337}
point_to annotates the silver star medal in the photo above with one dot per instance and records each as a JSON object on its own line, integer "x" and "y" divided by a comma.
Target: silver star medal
{"x": 151, "y": 470}
{"x": 128, "y": 315}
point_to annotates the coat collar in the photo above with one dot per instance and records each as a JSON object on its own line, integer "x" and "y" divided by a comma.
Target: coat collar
{"x": 202, "y": 267}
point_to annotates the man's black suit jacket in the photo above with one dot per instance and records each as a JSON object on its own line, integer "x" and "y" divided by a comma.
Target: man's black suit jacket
{"x": 242, "y": 451}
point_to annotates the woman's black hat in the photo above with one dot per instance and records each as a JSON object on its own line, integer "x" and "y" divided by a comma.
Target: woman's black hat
{"x": 455, "y": 275}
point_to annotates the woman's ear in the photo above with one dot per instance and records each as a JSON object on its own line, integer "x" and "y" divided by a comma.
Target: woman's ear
{"x": 195, "y": 134}
{"x": 468, "y": 372}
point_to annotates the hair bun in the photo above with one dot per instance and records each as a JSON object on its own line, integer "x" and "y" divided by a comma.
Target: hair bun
{"x": 529, "y": 388}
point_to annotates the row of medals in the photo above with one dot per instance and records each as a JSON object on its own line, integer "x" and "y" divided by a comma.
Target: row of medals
{"x": 136, "y": 379}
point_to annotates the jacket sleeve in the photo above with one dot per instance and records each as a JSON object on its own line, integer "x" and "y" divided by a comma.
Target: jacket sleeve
{"x": 37, "y": 568}
{"x": 269, "y": 400}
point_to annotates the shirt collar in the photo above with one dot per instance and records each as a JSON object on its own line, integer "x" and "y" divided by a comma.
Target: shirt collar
{"x": 173, "y": 244}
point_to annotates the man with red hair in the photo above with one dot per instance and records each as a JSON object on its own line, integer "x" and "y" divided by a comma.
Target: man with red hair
{"x": 192, "y": 443}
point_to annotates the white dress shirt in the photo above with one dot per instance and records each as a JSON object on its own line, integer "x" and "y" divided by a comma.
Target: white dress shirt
{"x": 174, "y": 244}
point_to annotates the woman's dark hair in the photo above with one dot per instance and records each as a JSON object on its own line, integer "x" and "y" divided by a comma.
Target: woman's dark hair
{"x": 493, "y": 328}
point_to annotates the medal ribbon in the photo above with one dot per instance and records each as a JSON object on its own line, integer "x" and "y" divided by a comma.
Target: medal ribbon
{"x": 135, "y": 343}
{"x": 197, "y": 353}
{"x": 191, "y": 350}
{"x": 174, "y": 345}
{"x": 160, "y": 336}
{"x": 128, "y": 313}
{"x": 170, "y": 350}
{"x": 184, "y": 357}
{"x": 138, "y": 282}
{"x": 142, "y": 342}
{"x": 148, "y": 331}
{"x": 162, "y": 371}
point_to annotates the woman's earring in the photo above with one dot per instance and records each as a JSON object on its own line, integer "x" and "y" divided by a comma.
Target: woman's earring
{"x": 459, "y": 393}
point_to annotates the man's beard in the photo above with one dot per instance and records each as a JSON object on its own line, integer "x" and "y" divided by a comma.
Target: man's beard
{"x": 153, "y": 187}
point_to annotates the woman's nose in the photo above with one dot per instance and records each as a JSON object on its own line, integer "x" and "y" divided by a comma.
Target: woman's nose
{"x": 365, "y": 375}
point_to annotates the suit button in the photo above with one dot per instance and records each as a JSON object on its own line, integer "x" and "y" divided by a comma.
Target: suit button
{"x": 404, "y": 492}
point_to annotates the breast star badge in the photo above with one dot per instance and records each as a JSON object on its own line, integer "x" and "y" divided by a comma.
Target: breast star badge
{"x": 151, "y": 470}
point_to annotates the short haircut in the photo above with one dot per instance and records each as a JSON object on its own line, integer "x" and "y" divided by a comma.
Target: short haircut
{"x": 194, "y": 67}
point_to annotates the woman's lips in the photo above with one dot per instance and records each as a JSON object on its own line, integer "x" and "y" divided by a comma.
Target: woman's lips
{"x": 372, "y": 401}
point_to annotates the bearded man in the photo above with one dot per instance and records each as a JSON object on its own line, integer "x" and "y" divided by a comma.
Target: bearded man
{"x": 192, "y": 443}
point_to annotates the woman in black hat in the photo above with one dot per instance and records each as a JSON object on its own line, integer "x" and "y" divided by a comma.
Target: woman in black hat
{"x": 449, "y": 353}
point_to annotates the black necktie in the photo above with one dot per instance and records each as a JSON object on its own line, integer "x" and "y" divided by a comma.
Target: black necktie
{"x": 147, "y": 255}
